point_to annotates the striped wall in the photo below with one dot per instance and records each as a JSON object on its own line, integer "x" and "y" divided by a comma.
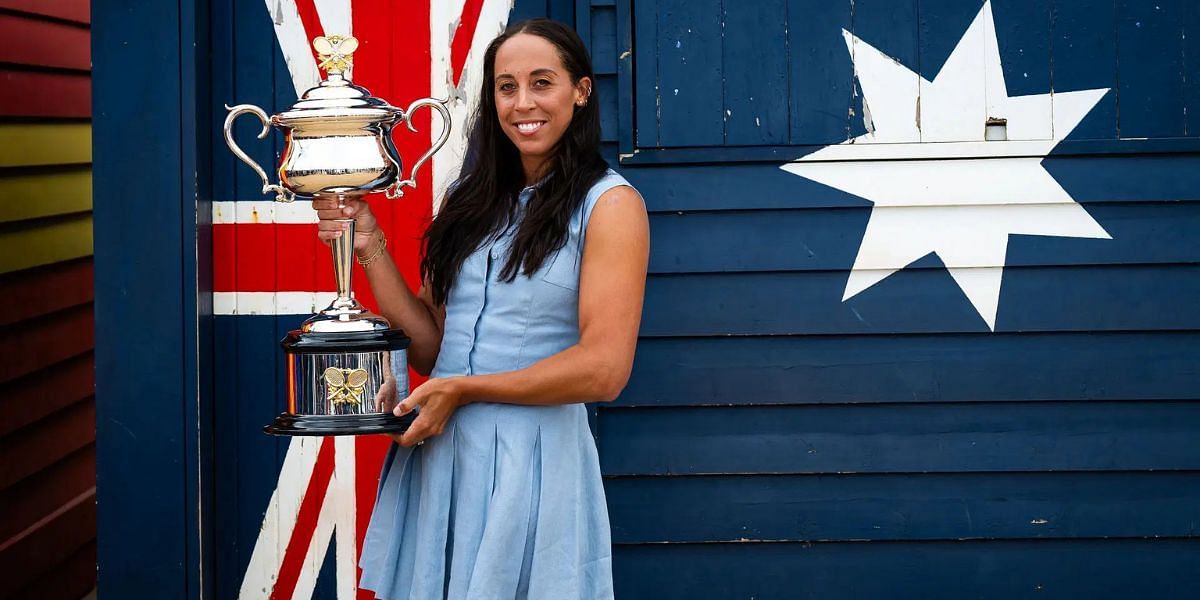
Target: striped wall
{"x": 47, "y": 409}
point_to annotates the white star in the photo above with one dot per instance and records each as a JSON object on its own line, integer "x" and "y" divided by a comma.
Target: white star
{"x": 928, "y": 199}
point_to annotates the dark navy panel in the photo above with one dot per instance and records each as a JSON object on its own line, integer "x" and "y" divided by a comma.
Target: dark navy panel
{"x": 927, "y": 506}
{"x": 1150, "y": 70}
{"x": 1023, "y": 34}
{"x": 1135, "y": 568}
{"x": 602, "y": 40}
{"x": 688, "y": 43}
{"x": 886, "y": 438}
{"x": 737, "y": 370}
{"x": 941, "y": 24}
{"x": 827, "y": 239}
{"x": 643, "y": 75}
{"x": 149, "y": 370}
{"x": 1190, "y": 18}
{"x": 923, "y": 300}
{"x": 254, "y": 40}
{"x": 755, "y": 84}
{"x": 820, "y": 71}
{"x": 1084, "y": 46}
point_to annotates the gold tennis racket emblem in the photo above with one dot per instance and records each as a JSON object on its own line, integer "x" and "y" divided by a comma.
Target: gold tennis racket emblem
{"x": 345, "y": 386}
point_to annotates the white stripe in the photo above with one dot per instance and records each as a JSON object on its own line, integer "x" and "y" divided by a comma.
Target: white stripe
{"x": 270, "y": 303}
{"x": 295, "y": 43}
{"x": 443, "y": 19}
{"x": 262, "y": 211}
{"x": 345, "y": 514}
{"x": 280, "y": 519}
{"x": 314, "y": 555}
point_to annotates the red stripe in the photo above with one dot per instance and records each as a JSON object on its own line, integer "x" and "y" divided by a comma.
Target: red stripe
{"x": 460, "y": 44}
{"x": 306, "y": 523}
{"x": 394, "y": 63}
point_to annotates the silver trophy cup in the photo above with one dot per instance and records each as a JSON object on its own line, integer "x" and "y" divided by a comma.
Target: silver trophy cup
{"x": 347, "y": 367}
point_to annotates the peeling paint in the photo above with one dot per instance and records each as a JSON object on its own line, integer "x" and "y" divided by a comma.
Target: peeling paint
{"x": 624, "y": 55}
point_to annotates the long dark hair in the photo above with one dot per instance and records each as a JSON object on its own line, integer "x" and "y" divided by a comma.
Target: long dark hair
{"x": 484, "y": 199}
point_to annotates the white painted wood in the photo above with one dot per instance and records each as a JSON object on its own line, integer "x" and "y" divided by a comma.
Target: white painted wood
{"x": 262, "y": 211}
{"x": 443, "y": 25}
{"x": 270, "y": 303}
{"x": 280, "y": 519}
{"x": 294, "y": 41}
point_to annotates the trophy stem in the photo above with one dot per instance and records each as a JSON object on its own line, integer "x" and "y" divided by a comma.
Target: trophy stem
{"x": 343, "y": 256}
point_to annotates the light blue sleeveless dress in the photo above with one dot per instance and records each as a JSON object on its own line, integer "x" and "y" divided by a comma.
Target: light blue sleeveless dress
{"x": 508, "y": 501}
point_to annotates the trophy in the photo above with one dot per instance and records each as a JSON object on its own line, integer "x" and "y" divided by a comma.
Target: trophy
{"x": 346, "y": 366}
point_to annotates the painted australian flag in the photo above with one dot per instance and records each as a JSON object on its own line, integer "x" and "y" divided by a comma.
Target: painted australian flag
{"x": 922, "y": 315}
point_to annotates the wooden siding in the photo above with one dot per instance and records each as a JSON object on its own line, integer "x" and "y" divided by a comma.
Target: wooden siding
{"x": 778, "y": 441}
{"x": 47, "y": 416}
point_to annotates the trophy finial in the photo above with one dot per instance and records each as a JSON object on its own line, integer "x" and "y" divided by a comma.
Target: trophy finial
{"x": 335, "y": 52}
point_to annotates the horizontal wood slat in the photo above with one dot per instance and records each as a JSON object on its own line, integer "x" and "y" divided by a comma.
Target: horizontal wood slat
{"x": 42, "y": 94}
{"x": 52, "y": 541}
{"x": 46, "y": 391}
{"x": 1136, "y": 297}
{"x": 45, "y": 193}
{"x": 36, "y": 344}
{"x": 29, "y": 244}
{"x": 1142, "y": 568}
{"x": 930, "y": 506}
{"x": 39, "y": 144}
{"x": 71, "y": 579}
{"x": 70, "y": 10}
{"x": 888, "y": 438}
{"x": 53, "y": 438}
{"x": 36, "y": 292}
{"x": 42, "y": 43}
{"x": 825, "y": 239}
{"x": 736, "y": 370}
{"x": 40, "y": 494}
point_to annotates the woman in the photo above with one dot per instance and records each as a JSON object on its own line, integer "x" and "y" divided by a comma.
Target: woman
{"x": 533, "y": 277}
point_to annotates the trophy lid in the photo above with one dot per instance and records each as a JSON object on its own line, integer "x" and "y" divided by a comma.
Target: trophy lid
{"x": 336, "y": 95}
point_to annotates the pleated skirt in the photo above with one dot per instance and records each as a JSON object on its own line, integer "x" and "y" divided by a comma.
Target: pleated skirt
{"x": 507, "y": 502}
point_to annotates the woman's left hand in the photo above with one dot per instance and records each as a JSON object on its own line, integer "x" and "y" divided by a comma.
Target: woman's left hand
{"x": 438, "y": 399}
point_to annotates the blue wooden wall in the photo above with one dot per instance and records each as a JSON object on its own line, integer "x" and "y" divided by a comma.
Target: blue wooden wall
{"x": 777, "y": 442}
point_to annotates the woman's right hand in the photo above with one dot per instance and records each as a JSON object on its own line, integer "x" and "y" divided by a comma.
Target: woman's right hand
{"x": 330, "y": 226}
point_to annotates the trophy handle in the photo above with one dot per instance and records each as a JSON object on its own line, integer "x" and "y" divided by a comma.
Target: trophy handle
{"x": 397, "y": 190}
{"x": 281, "y": 194}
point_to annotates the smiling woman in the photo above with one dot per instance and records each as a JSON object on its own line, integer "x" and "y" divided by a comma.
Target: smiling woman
{"x": 533, "y": 279}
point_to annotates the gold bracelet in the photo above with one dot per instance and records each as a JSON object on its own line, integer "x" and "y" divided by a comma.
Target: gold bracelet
{"x": 366, "y": 262}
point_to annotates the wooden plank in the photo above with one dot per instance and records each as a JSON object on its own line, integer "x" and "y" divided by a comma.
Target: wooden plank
{"x": 54, "y": 540}
{"x": 647, "y": 86}
{"x": 922, "y": 300}
{"x": 996, "y": 367}
{"x": 47, "y": 193}
{"x": 887, "y": 28}
{"x": 950, "y": 569}
{"x": 688, "y": 43}
{"x": 33, "y": 345}
{"x": 937, "y": 506}
{"x": 41, "y": 393}
{"x": 70, "y": 10}
{"x": 44, "y": 241}
{"x": 42, "y": 43}
{"x": 36, "y": 144}
{"x": 40, "y": 494}
{"x": 821, "y": 74}
{"x": 826, "y": 239}
{"x": 1088, "y": 179}
{"x": 47, "y": 442}
{"x": 1190, "y": 23}
{"x": 1084, "y": 45}
{"x": 43, "y": 94}
{"x": 755, "y": 86}
{"x": 603, "y": 40}
{"x": 1150, "y": 68}
{"x": 37, "y": 292}
{"x": 70, "y": 579}
{"x": 885, "y": 438}
{"x": 1023, "y": 39}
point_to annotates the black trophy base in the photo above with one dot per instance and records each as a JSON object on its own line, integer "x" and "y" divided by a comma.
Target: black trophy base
{"x": 289, "y": 424}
